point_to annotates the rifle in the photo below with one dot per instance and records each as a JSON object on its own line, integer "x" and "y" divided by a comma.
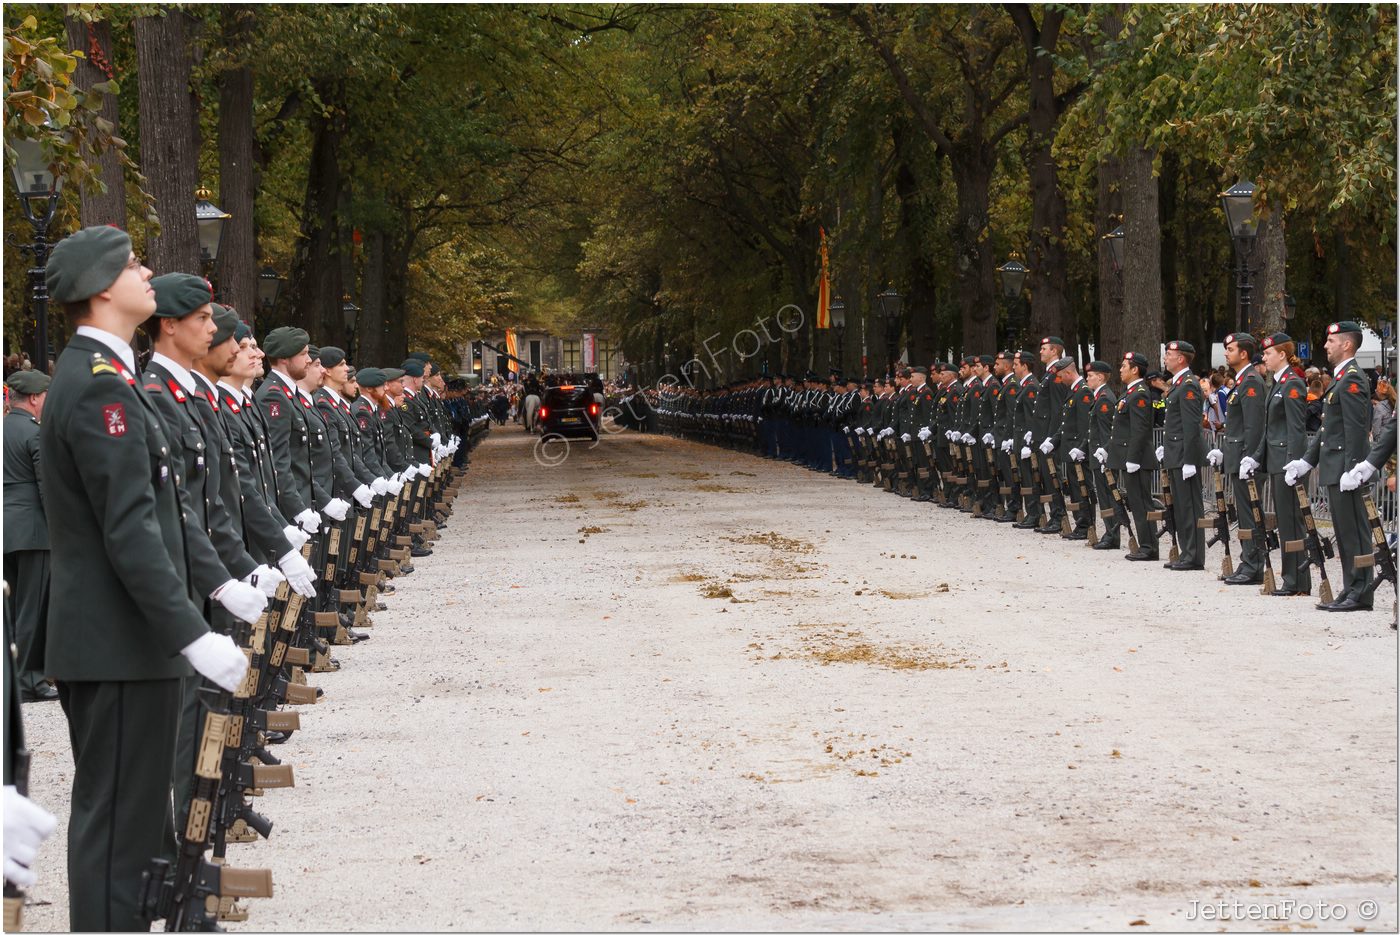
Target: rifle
{"x": 1383, "y": 553}
{"x": 995, "y": 478}
{"x": 1256, "y": 510}
{"x": 1042, "y": 520}
{"x": 1120, "y": 508}
{"x": 1169, "y": 514}
{"x": 1014, "y": 458}
{"x": 1221, "y": 524}
{"x": 1086, "y": 502}
{"x": 180, "y": 894}
{"x": 1317, "y": 546}
{"x": 1063, "y": 489}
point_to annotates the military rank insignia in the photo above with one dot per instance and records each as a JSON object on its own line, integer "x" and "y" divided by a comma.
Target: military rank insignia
{"x": 114, "y": 419}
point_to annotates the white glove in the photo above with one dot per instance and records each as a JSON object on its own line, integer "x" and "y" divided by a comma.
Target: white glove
{"x": 1188, "y": 471}
{"x": 217, "y": 658}
{"x": 1028, "y": 438}
{"x": 1364, "y": 471}
{"x": 1025, "y": 453}
{"x": 309, "y": 520}
{"x": 989, "y": 439}
{"x": 1247, "y": 467}
{"x": 1101, "y": 455}
{"x": 1047, "y": 446}
{"x": 364, "y": 496}
{"x": 950, "y": 435}
{"x": 337, "y": 509}
{"x": 299, "y": 573}
{"x": 242, "y": 600}
{"x": 968, "y": 439}
{"x": 846, "y": 429}
{"x": 1215, "y": 456}
{"x": 1293, "y": 470}
{"x": 1349, "y": 480}
{"x": 425, "y": 469}
{"x": 1161, "y": 453}
{"x": 1133, "y": 468}
{"x": 295, "y": 537}
{"x": 26, "y": 827}
{"x": 1076, "y": 455}
{"x": 437, "y": 439}
{"x": 905, "y": 437}
{"x": 265, "y": 578}
{"x": 1006, "y": 446}
{"x": 925, "y": 434}
{"x": 379, "y": 485}
{"x": 395, "y": 486}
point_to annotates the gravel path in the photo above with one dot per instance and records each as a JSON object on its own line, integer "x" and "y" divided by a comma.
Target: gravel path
{"x": 754, "y": 698}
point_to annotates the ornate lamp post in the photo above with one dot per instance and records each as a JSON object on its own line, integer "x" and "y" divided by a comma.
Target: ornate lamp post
{"x": 37, "y": 186}
{"x": 269, "y": 285}
{"x": 1238, "y": 204}
{"x": 351, "y": 312}
{"x": 838, "y": 328}
{"x": 1012, "y": 274}
{"x": 891, "y": 307}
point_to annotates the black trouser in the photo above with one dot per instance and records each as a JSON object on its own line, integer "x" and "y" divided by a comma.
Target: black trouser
{"x": 1251, "y": 549}
{"x": 123, "y": 739}
{"x": 1106, "y": 501}
{"x": 1352, "y": 529}
{"x": 1297, "y": 574}
{"x": 1137, "y": 490}
{"x": 27, "y": 572}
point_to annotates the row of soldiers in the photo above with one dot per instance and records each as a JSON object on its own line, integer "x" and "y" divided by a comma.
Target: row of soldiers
{"x": 1058, "y": 453}
{"x": 214, "y": 521}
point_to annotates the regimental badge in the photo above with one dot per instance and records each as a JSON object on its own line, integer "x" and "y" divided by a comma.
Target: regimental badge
{"x": 1030, "y": 394}
{"x": 1248, "y": 392}
{"x": 1103, "y": 407}
{"x": 1141, "y": 402}
{"x": 274, "y": 410}
{"x": 114, "y": 419}
{"x": 1353, "y": 388}
{"x": 1293, "y": 393}
{"x": 1190, "y": 394}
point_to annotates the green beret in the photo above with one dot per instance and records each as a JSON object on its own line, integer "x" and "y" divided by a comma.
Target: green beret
{"x": 413, "y": 367}
{"x": 85, "y": 263}
{"x": 27, "y": 382}
{"x": 1278, "y": 337}
{"x": 1243, "y": 339}
{"x": 1051, "y": 339}
{"x": 179, "y": 294}
{"x": 242, "y": 331}
{"x": 370, "y": 376}
{"x": 285, "y": 342}
{"x": 1344, "y": 327}
{"x": 1098, "y": 366}
{"x": 1063, "y": 363}
{"x": 313, "y": 352}
{"x": 225, "y": 324}
{"x": 1182, "y": 347}
{"x": 391, "y": 374}
{"x": 331, "y": 356}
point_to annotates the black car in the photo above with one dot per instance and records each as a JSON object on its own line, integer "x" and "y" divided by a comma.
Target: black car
{"x": 570, "y": 409}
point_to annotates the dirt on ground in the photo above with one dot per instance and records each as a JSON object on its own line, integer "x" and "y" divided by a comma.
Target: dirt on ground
{"x": 623, "y": 694}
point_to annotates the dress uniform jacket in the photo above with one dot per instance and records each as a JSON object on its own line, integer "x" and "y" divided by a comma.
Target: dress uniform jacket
{"x": 262, "y": 523}
{"x": 26, "y": 529}
{"x": 289, "y": 439}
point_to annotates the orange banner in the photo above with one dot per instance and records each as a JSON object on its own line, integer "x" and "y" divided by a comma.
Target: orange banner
{"x": 824, "y": 289}
{"x": 512, "y": 350}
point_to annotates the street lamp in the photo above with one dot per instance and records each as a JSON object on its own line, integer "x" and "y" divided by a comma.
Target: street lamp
{"x": 1290, "y": 307}
{"x": 891, "y": 306}
{"x": 1238, "y": 204}
{"x": 838, "y": 326}
{"x": 209, "y": 218}
{"x": 1114, "y": 239}
{"x": 37, "y": 186}
{"x": 1012, "y": 274}
{"x": 269, "y": 285}
{"x": 351, "y": 311}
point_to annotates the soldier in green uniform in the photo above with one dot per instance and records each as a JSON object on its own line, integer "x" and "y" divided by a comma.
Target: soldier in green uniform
{"x": 1342, "y": 440}
{"x": 1283, "y": 441}
{"x": 27, "y": 825}
{"x": 1183, "y": 452}
{"x": 26, "y": 530}
{"x": 1049, "y": 407}
{"x": 1244, "y": 429}
{"x": 122, "y": 629}
{"x": 1072, "y": 439}
{"x": 1130, "y": 448}
{"x": 1025, "y": 425}
{"x": 288, "y": 437}
{"x": 1104, "y": 404}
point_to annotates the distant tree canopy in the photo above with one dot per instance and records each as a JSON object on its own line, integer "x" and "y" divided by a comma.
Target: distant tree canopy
{"x": 663, "y": 173}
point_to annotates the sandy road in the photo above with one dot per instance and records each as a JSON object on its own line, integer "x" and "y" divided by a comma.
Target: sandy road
{"x": 758, "y": 698}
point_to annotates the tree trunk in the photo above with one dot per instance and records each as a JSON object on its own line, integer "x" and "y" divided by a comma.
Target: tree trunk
{"x": 237, "y": 278}
{"x": 1167, "y": 188}
{"x": 1142, "y": 263}
{"x": 95, "y": 40}
{"x": 920, "y": 283}
{"x": 1048, "y": 281}
{"x": 1270, "y": 278}
{"x": 316, "y": 282}
{"x": 976, "y": 267}
{"x": 1341, "y": 275}
{"x": 371, "y": 334}
{"x": 1108, "y": 345}
{"x": 168, "y": 156}
{"x": 398, "y": 250}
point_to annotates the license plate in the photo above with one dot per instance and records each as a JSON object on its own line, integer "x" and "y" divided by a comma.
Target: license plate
{"x": 569, "y": 419}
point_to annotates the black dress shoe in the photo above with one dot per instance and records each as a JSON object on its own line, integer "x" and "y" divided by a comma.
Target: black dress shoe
{"x": 1008, "y": 518}
{"x": 43, "y": 692}
{"x": 1183, "y": 566}
{"x": 1078, "y": 535}
{"x": 1104, "y": 545}
{"x": 1345, "y": 604}
{"x": 275, "y": 736}
{"x": 1238, "y": 578}
{"x": 1051, "y": 528}
{"x": 1287, "y": 592}
{"x": 1141, "y": 556}
{"x": 419, "y": 551}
